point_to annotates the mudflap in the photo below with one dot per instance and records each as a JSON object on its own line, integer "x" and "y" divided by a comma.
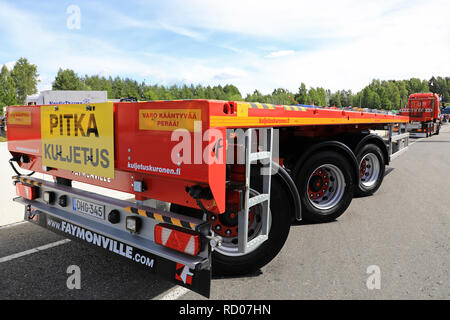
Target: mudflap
{"x": 198, "y": 281}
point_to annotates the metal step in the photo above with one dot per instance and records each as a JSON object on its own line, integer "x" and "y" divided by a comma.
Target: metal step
{"x": 266, "y": 134}
{"x": 260, "y": 155}
{"x": 258, "y": 199}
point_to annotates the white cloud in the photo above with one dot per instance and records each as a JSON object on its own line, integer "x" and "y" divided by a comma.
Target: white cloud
{"x": 182, "y": 31}
{"x": 283, "y": 19}
{"x": 281, "y": 53}
{"x": 357, "y": 41}
{"x": 124, "y": 21}
{"x": 9, "y": 65}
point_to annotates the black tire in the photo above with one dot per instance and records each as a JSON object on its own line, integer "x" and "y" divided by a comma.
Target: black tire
{"x": 438, "y": 129}
{"x": 303, "y": 179}
{"x": 366, "y": 189}
{"x": 281, "y": 217}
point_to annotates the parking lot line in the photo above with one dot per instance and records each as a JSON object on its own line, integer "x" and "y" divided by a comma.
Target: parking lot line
{"x": 34, "y": 250}
{"x": 11, "y": 225}
{"x": 173, "y": 294}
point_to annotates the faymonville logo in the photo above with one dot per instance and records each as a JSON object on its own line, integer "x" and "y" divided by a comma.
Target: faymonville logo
{"x": 91, "y": 176}
{"x": 101, "y": 241}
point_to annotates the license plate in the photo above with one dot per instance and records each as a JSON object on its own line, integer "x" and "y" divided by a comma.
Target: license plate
{"x": 89, "y": 208}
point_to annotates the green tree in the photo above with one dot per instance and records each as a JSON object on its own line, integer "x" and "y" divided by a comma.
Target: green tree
{"x": 232, "y": 92}
{"x": 8, "y": 92}
{"x": 150, "y": 95}
{"x": 345, "y": 96}
{"x": 356, "y": 100}
{"x": 322, "y": 97}
{"x": 3, "y": 78}
{"x": 415, "y": 85}
{"x": 335, "y": 100}
{"x": 67, "y": 80}
{"x": 302, "y": 96}
{"x": 25, "y": 78}
{"x": 255, "y": 97}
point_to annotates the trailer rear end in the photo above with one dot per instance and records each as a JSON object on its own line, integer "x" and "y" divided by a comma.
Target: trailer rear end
{"x": 216, "y": 184}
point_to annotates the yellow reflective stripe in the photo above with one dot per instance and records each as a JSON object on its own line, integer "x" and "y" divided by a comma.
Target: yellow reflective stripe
{"x": 159, "y": 217}
{"x": 257, "y": 105}
{"x": 242, "y": 109}
{"x": 142, "y": 212}
{"x": 176, "y": 222}
{"x": 294, "y": 108}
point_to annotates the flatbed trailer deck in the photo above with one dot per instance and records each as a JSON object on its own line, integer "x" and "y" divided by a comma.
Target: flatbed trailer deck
{"x": 228, "y": 177}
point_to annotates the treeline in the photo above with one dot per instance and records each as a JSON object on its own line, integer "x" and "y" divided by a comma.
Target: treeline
{"x": 21, "y": 81}
{"x": 118, "y": 88}
{"x": 385, "y": 94}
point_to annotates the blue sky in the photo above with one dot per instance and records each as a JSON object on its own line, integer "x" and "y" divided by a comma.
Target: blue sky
{"x": 252, "y": 44}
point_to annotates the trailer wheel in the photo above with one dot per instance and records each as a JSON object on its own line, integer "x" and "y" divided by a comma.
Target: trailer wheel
{"x": 371, "y": 169}
{"x": 226, "y": 260}
{"x": 326, "y": 186}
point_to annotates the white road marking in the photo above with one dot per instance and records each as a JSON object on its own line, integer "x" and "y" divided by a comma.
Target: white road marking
{"x": 173, "y": 294}
{"x": 34, "y": 250}
{"x": 12, "y": 225}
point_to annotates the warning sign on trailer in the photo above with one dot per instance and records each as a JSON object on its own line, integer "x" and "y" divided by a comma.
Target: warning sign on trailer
{"x": 79, "y": 138}
{"x": 169, "y": 119}
{"x": 19, "y": 117}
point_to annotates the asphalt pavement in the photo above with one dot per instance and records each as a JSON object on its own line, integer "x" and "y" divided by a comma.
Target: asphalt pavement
{"x": 402, "y": 232}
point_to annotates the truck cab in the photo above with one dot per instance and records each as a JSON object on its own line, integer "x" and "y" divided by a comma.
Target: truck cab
{"x": 424, "y": 112}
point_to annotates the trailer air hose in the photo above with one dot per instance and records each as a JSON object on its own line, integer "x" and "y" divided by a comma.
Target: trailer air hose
{"x": 16, "y": 171}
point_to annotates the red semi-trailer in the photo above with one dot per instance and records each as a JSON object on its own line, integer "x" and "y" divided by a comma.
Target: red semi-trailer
{"x": 228, "y": 177}
{"x": 423, "y": 110}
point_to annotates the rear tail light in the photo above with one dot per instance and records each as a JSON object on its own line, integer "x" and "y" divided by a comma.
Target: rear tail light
{"x": 27, "y": 192}
{"x": 180, "y": 240}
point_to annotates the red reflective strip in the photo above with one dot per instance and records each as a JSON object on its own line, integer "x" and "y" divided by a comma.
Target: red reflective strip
{"x": 27, "y": 192}
{"x": 177, "y": 240}
{"x": 158, "y": 234}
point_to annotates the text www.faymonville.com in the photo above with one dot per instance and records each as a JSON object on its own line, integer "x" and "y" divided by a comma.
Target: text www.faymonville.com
{"x": 101, "y": 241}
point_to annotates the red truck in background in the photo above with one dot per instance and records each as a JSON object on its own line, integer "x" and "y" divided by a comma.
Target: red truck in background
{"x": 423, "y": 110}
